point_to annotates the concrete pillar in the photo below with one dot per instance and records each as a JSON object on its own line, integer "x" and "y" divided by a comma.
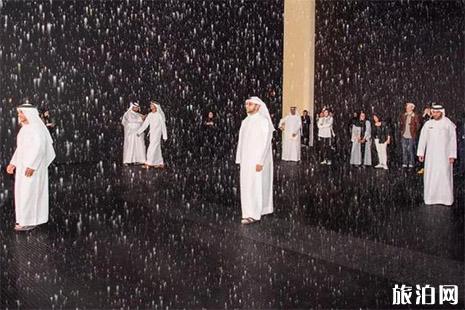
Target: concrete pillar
{"x": 299, "y": 56}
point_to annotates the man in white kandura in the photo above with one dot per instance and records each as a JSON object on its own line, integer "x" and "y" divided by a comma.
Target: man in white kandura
{"x": 291, "y": 126}
{"x": 134, "y": 146}
{"x": 254, "y": 154}
{"x": 157, "y": 122}
{"x": 34, "y": 153}
{"x": 438, "y": 149}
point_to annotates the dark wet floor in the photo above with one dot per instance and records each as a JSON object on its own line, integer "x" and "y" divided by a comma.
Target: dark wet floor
{"x": 123, "y": 237}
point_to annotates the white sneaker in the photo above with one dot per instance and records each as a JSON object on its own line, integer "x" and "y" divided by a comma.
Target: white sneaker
{"x": 385, "y": 167}
{"x": 404, "y": 166}
{"x": 323, "y": 162}
{"x": 328, "y": 163}
{"x": 379, "y": 166}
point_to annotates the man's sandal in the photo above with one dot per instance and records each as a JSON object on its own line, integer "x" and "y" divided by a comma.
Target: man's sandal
{"x": 24, "y": 228}
{"x": 248, "y": 221}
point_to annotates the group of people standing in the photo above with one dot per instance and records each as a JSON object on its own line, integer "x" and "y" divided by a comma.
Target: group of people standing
{"x": 35, "y": 152}
{"x": 363, "y": 133}
{"x": 135, "y": 123}
{"x": 431, "y": 137}
{"x": 296, "y": 132}
{"x": 437, "y": 148}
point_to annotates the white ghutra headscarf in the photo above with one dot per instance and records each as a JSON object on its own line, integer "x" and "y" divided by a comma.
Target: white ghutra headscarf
{"x": 438, "y": 107}
{"x": 33, "y": 118}
{"x": 163, "y": 118}
{"x": 133, "y": 105}
{"x": 263, "y": 109}
{"x": 159, "y": 110}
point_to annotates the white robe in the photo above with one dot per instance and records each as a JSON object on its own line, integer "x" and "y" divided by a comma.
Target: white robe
{"x": 134, "y": 146}
{"x": 438, "y": 143}
{"x": 157, "y": 130}
{"x": 291, "y": 145}
{"x": 31, "y": 193}
{"x": 254, "y": 148}
{"x": 356, "y": 151}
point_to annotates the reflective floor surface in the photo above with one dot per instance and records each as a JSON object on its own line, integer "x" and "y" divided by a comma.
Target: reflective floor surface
{"x": 124, "y": 237}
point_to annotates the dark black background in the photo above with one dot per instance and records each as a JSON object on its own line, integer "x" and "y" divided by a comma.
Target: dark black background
{"x": 374, "y": 55}
{"x": 378, "y": 55}
{"x": 196, "y": 56}
{"x": 191, "y": 56}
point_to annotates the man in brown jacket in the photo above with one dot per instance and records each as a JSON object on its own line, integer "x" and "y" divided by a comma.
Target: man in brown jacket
{"x": 409, "y": 127}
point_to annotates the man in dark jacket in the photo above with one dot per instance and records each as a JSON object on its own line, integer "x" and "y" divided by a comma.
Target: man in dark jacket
{"x": 409, "y": 128}
{"x": 306, "y": 123}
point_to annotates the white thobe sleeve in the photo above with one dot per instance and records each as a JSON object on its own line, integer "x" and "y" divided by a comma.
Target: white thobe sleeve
{"x": 299, "y": 127}
{"x": 282, "y": 122}
{"x": 145, "y": 125}
{"x": 320, "y": 123}
{"x": 266, "y": 141}
{"x": 34, "y": 154}
{"x": 452, "y": 142}
{"x": 239, "y": 146}
{"x": 139, "y": 120}
{"x": 163, "y": 130}
{"x": 124, "y": 121}
{"x": 14, "y": 159}
{"x": 423, "y": 141}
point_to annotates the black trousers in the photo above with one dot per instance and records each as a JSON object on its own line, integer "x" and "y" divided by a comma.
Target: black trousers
{"x": 326, "y": 148}
{"x": 305, "y": 140}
